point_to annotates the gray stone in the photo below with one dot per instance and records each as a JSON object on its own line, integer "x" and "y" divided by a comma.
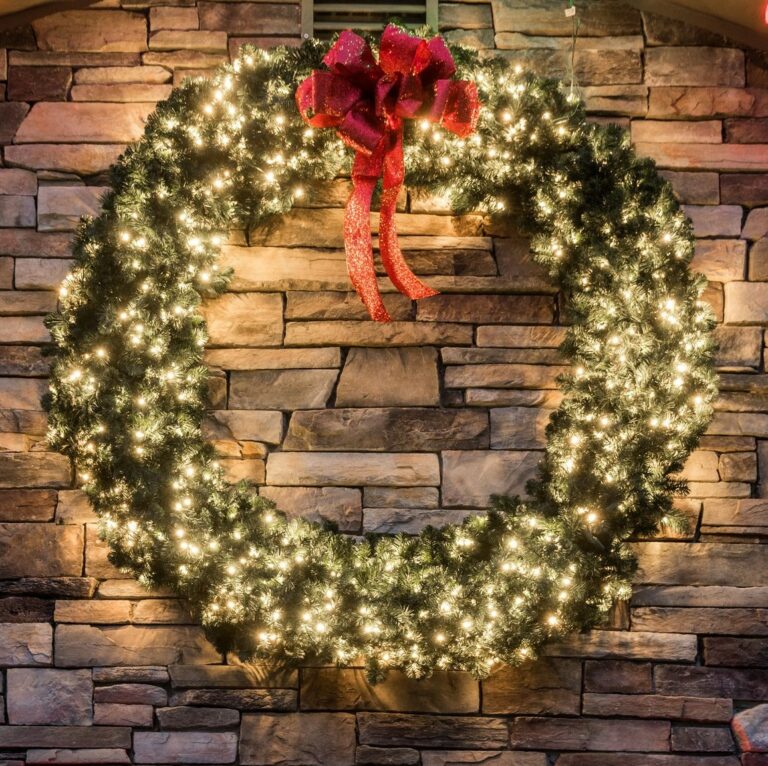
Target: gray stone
{"x": 694, "y": 66}
{"x": 409, "y": 521}
{"x": 184, "y": 747}
{"x": 387, "y": 429}
{"x": 82, "y": 159}
{"x": 253, "y": 425}
{"x": 519, "y": 427}
{"x": 116, "y": 714}
{"x": 61, "y": 207}
{"x": 64, "y": 737}
{"x": 470, "y": 478}
{"x": 485, "y": 757}
{"x": 298, "y": 739}
{"x": 401, "y": 497}
{"x": 17, "y": 211}
{"x": 106, "y": 755}
{"x": 48, "y": 696}
{"x": 350, "y": 333}
{"x": 280, "y": 389}
{"x": 750, "y": 728}
{"x": 739, "y": 347}
{"x": 394, "y": 376}
{"x": 131, "y": 694}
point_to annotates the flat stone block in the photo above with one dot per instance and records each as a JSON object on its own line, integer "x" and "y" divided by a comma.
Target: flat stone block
{"x": 244, "y": 319}
{"x": 48, "y": 696}
{"x": 184, "y": 747}
{"x": 281, "y": 389}
{"x": 26, "y": 643}
{"x": 336, "y": 505}
{"x": 60, "y": 208}
{"x": 40, "y": 550}
{"x": 104, "y": 32}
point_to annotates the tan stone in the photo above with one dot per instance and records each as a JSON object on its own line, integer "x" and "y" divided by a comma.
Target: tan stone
{"x": 40, "y": 550}
{"x": 47, "y": 696}
{"x": 82, "y": 159}
{"x": 22, "y": 394}
{"x": 97, "y": 563}
{"x": 694, "y": 188}
{"x": 309, "y": 739}
{"x": 721, "y": 260}
{"x": 252, "y": 471}
{"x": 250, "y": 675}
{"x": 715, "y": 220}
{"x": 341, "y": 305}
{"x": 26, "y": 643}
{"x": 33, "y": 470}
{"x": 17, "y": 303}
{"x": 736, "y": 157}
{"x": 397, "y": 377}
{"x": 83, "y": 645}
{"x": 539, "y": 19}
{"x": 115, "y": 714}
{"x": 262, "y": 19}
{"x": 161, "y": 611}
{"x": 470, "y": 478}
{"x": 738, "y": 347}
{"x": 27, "y": 504}
{"x": 711, "y": 620}
{"x": 520, "y": 336}
{"x": 86, "y": 739}
{"x": 190, "y": 40}
{"x": 674, "y": 131}
{"x": 93, "y": 611}
{"x": 352, "y": 469}
{"x": 685, "y": 102}
{"x": 23, "y": 330}
{"x": 101, "y": 32}
{"x": 183, "y": 717}
{"x": 410, "y": 521}
{"x": 19, "y": 182}
{"x": 746, "y": 302}
{"x": 489, "y": 757}
{"x": 17, "y": 211}
{"x": 121, "y": 92}
{"x": 197, "y": 63}
{"x": 280, "y": 389}
{"x": 335, "y": 505}
{"x": 172, "y": 18}
{"x": 348, "y": 333}
{"x": 503, "y": 376}
{"x": 78, "y": 123}
{"x": 59, "y": 208}
{"x": 106, "y": 755}
{"x": 244, "y": 319}
{"x": 348, "y": 689}
{"x": 401, "y": 497}
{"x": 756, "y": 225}
{"x": 694, "y": 66}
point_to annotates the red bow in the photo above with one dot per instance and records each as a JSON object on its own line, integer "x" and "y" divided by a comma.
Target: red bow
{"x": 367, "y": 101}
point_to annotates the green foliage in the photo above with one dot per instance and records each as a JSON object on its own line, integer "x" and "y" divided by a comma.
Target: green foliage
{"x": 128, "y": 382}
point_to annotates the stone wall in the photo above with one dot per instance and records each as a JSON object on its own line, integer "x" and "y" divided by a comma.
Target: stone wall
{"x": 381, "y": 428}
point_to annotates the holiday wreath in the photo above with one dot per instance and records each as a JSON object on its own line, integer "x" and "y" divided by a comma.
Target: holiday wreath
{"x": 128, "y": 384}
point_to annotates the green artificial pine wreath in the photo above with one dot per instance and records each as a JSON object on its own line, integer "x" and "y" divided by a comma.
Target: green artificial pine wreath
{"x": 128, "y": 384}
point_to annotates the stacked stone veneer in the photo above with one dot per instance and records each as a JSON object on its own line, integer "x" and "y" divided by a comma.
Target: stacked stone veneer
{"x": 381, "y": 428}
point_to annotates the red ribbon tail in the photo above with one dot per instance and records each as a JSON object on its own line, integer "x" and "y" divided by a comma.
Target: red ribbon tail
{"x": 391, "y": 256}
{"x": 359, "y": 248}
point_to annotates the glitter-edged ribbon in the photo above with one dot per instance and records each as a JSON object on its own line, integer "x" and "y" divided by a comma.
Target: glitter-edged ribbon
{"x": 366, "y": 102}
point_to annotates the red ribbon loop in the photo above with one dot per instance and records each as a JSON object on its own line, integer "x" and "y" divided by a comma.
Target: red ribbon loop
{"x": 366, "y": 102}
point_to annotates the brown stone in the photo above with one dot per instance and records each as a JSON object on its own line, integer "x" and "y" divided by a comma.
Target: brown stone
{"x": 352, "y": 469}
{"x": 701, "y": 739}
{"x": 665, "y": 131}
{"x": 93, "y": 611}
{"x": 461, "y": 16}
{"x": 691, "y": 595}
{"x": 57, "y": 550}
{"x": 701, "y": 564}
{"x": 389, "y": 429}
{"x": 541, "y": 19}
{"x": 172, "y": 18}
{"x": 82, "y": 159}
{"x": 280, "y": 389}
{"x": 721, "y": 260}
{"x": 348, "y": 689}
{"x": 520, "y": 337}
{"x": 12, "y": 114}
{"x": 114, "y": 75}
{"x": 503, "y": 376}
{"x": 401, "y": 497}
{"x": 105, "y": 755}
{"x": 694, "y": 188}
{"x": 409, "y": 521}
{"x": 298, "y": 739}
{"x": 488, "y": 757}
{"x": 82, "y": 645}
{"x": 404, "y": 730}
{"x": 738, "y": 466}
{"x": 746, "y": 131}
{"x": 341, "y": 305}
{"x": 112, "y": 714}
{"x": 617, "y": 676}
{"x": 589, "y": 734}
{"x": 544, "y": 687}
{"x": 101, "y": 32}
{"x": 736, "y": 652}
{"x": 665, "y": 30}
{"x": 39, "y": 83}
{"x": 626, "y": 645}
{"x": 73, "y": 59}
{"x": 25, "y": 609}
{"x": 131, "y": 694}
{"x": 274, "y": 358}
{"x": 398, "y": 377}
{"x": 470, "y": 478}
{"x": 20, "y": 242}
{"x": 244, "y": 319}
{"x": 198, "y": 64}
{"x": 685, "y": 102}
{"x": 519, "y": 427}
{"x": 738, "y": 346}
{"x": 711, "y": 682}
{"x": 744, "y": 189}
{"x": 47, "y": 696}
{"x": 184, "y": 747}
{"x": 386, "y": 756}
{"x": 592, "y": 67}
{"x": 335, "y": 505}
{"x": 197, "y": 718}
{"x": 246, "y": 675}
{"x": 756, "y": 225}
{"x": 260, "y": 19}
{"x": 144, "y": 674}
{"x": 349, "y": 333}
{"x": 60, "y": 208}
{"x": 27, "y": 504}
{"x": 83, "y": 123}
{"x": 758, "y": 261}
{"x": 51, "y": 587}
{"x": 487, "y": 309}
{"x": 694, "y": 66}
{"x": 656, "y": 706}
{"x": 65, "y": 737}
